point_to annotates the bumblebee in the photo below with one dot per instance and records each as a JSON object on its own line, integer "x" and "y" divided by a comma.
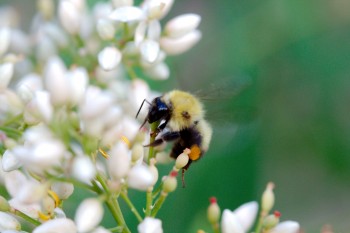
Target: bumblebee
{"x": 181, "y": 117}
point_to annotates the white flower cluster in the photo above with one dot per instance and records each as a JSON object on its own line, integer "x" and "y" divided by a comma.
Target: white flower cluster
{"x": 242, "y": 219}
{"x": 67, "y": 112}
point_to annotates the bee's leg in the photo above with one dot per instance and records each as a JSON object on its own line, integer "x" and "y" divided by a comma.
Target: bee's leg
{"x": 169, "y": 136}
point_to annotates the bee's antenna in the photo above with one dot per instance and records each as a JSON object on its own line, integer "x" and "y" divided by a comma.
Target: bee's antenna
{"x": 141, "y": 107}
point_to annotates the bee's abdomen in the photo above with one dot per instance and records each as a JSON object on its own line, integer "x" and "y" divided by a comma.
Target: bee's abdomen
{"x": 189, "y": 138}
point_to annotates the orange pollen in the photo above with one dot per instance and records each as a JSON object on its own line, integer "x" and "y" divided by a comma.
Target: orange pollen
{"x": 195, "y": 152}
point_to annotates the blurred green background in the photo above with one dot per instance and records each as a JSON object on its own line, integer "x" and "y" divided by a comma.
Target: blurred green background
{"x": 290, "y": 125}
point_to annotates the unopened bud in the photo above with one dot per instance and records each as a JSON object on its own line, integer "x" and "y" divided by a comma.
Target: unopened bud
{"x": 271, "y": 220}
{"x": 213, "y": 212}
{"x": 154, "y": 170}
{"x": 181, "y": 161}
{"x": 170, "y": 182}
{"x": 268, "y": 198}
{"x": 137, "y": 152}
{"x": 4, "y": 205}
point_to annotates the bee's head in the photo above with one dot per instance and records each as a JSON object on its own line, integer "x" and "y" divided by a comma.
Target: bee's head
{"x": 157, "y": 111}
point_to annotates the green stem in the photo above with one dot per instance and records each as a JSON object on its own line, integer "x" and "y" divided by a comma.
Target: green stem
{"x": 159, "y": 203}
{"x": 258, "y": 227}
{"x": 116, "y": 229}
{"x": 149, "y": 200}
{"x": 216, "y": 227}
{"x": 153, "y": 135}
{"x": 25, "y": 217}
{"x": 131, "y": 205}
{"x": 113, "y": 205}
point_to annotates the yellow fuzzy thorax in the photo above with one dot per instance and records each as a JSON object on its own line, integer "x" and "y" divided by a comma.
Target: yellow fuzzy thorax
{"x": 182, "y": 103}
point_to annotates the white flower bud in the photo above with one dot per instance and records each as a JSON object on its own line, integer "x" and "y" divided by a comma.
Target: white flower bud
{"x": 78, "y": 79}
{"x": 159, "y": 71}
{"x": 213, "y": 211}
{"x": 47, "y": 204}
{"x": 149, "y": 50}
{"x": 170, "y": 182}
{"x": 89, "y": 214}
{"x": 9, "y": 161}
{"x": 56, "y": 82}
{"x": 6, "y": 73}
{"x": 59, "y": 213}
{"x": 56, "y": 34}
{"x": 268, "y": 198}
{"x": 70, "y": 16}
{"x": 46, "y": 8}
{"x": 230, "y": 223}
{"x": 105, "y": 29}
{"x": 154, "y": 171}
{"x": 119, "y": 161}
{"x": 150, "y": 225}
{"x": 157, "y": 9}
{"x": 137, "y": 152}
{"x": 154, "y": 30}
{"x": 246, "y": 214}
{"x": 181, "y": 25}
{"x": 28, "y": 85}
{"x": 95, "y": 103}
{"x": 120, "y": 3}
{"x": 42, "y": 104}
{"x": 41, "y": 156}
{"x": 101, "y": 230}
{"x": 7, "y": 222}
{"x": 181, "y": 161}
{"x": 140, "y": 177}
{"x": 45, "y": 49}
{"x": 57, "y": 225}
{"x": 239, "y": 220}
{"x": 62, "y": 189}
{"x": 127, "y": 14}
{"x": 83, "y": 169}
{"x": 5, "y": 36}
{"x": 286, "y": 227}
{"x": 180, "y": 45}
{"x": 31, "y": 210}
{"x": 14, "y": 181}
{"x": 109, "y": 58}
{"x": 31, "y": 192}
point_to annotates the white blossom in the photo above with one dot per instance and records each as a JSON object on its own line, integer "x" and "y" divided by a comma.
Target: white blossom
{"x": 6, "y": 73}
{"x": 56, "y": 82}
{"x": 286, "y": 227}
{"x": 58, "y": 225}
{"x": 240, "y": 220}
{"x": 127, "y": 14}
{"x": 70, "y": 16}
{"x": 83, "y": 169}
{"x": 7, "y": 222}
{"x": 119, "y": 161}
{"x": 62, "y": 189}
{"x": 105, "y": 29}
{"x": 5, "y": 36}
{"x": 181, "y": 25}
{"x": 9, "y": 161}
{"x": 109, "y": 58}
{"x": 140, "y": 177}
{"x": 88, "y": 215}
{"x": 150, "y": 225}
{"x": 175, "y": 46}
